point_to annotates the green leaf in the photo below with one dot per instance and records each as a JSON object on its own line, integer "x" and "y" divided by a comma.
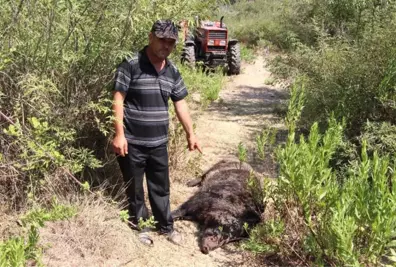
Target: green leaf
{"x": 392, "y": 244}
{"x": 85, "y": 186}
{"x": 322, "y": 195}
{"x": 34, "y": 122}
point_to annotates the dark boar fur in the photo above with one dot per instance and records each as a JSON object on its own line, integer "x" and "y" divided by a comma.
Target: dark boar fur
{"x": 222, "y": 205}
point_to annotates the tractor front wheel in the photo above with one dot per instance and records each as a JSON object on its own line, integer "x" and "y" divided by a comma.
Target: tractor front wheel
{"x": 234, "y": 59}
{"x": 188, "y": 56}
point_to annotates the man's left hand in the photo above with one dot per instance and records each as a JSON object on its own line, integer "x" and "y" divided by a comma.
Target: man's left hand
{"x": 193, "y": 143}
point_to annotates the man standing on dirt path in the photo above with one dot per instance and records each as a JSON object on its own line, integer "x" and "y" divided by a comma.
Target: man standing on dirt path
{"x": 143, "y": 85}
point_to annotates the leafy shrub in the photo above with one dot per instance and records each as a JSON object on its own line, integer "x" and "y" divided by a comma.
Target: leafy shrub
{"x": 38, "y": 215}
{"x": 380, "y": 137}
{"x": 348, "y": 222}
{"x": 265, "y": 140}
{"x": 19, "y": 252}
{"x": 207, "y": 84}
{"x": 57, "y": 62}
{"x": 266, "y": 237}
{"x": 355, "y": 82}
{"x": 247, "y": 53}
{"x": 149, "y": 223}
{"x": 242, "y": 152}
{"x": 281, "y": 23}
{"x": 344, "y": 49}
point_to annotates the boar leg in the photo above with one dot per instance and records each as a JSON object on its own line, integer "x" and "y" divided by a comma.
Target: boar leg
{"x": 181, "y": 214}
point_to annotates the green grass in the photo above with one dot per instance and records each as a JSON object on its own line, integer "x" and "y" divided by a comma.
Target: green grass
{"x": 242, "y": 152}
{"x": 56, "y": 212}
{"x": 265, "y": 238}
{"x": 338, "y": 223}
{"x": 247, "y": 53}
{"x": 18, "y": 251}
{"x": 21, "y": 251}
{"x": 207, "y": 84}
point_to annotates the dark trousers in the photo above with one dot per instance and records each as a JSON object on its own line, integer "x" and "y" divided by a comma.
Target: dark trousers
{"x": 152, "y": 161}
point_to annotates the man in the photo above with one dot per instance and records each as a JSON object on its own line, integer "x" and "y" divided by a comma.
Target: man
{"x": 142, "y": 87}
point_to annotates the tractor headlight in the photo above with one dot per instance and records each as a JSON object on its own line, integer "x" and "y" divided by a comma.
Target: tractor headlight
{"x": 210, "y": 42}
{"x": 223, "y": 42}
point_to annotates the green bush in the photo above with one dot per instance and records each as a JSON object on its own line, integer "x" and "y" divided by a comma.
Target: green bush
{"x": 287, "y": 24}
{"x": 380, "y": 137}
{"x": 353, "y": 81}
{"x": 208, "y": 85}
{"x": 247, "y": 53}
{"x": 265, "y": 140}
{"x": 280, "y": 22}
{"x": 20, "y": 251}
{"x": 265, "y": 238}
{"x": 39, "y": 215}
{"x": 57, "y": 61}
{"x": 328, "y": 221}
{"x": 242, "y": 152}
{"x": 344, "y": 49}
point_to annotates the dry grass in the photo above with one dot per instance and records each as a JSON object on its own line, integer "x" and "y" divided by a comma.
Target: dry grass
{"x": 97, "y": 237}
{"x": 11, "y": 189}
{"x": 8, "y": 224}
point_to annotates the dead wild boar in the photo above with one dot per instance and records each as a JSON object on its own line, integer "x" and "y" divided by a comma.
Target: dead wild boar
{"x": 223, "y": 205}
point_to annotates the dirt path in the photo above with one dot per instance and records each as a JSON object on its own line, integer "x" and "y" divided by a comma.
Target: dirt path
{"x": 245, "y": 107}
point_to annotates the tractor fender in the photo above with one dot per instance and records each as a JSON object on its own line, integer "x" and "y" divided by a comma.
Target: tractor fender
{"x": 232, "y": 41}
{"x": 189, "y": 43}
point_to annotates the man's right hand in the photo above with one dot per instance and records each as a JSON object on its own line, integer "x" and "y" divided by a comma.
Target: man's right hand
{"x": 120, "y": 145}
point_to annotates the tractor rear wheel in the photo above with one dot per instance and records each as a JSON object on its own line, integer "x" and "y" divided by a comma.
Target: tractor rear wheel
{"x": 234, "y": 59}
{"x": 188, "y": 56}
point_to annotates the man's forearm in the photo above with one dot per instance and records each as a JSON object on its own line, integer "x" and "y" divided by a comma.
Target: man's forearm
{"x": 118, "y": 111}
{"x": 184, "y": 116}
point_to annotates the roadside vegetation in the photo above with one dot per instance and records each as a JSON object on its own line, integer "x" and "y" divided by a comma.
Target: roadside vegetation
{"x": 333, "y": 202}
{"x": 57, "y": 60}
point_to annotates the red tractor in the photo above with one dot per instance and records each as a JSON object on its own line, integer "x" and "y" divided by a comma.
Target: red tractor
{"x": 209, "y": 43}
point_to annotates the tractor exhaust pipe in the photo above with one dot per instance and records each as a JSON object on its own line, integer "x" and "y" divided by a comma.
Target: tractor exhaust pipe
{"x": 221, "y": 21}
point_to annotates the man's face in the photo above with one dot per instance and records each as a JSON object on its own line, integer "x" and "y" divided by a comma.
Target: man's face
{"x": 161, "y": 47}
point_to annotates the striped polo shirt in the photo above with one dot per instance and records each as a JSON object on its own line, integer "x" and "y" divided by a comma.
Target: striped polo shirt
{"x": 146, "y": 117}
